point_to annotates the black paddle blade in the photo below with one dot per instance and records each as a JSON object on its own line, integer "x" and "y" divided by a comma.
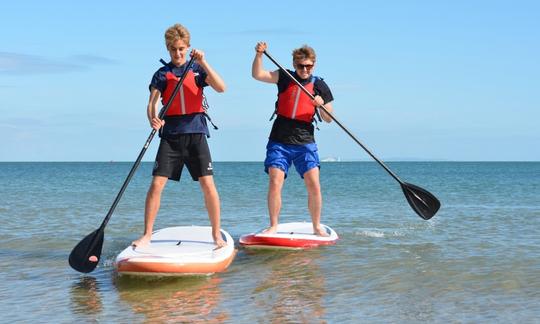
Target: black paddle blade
{"x": 422, "y": 202}
{"x": 85, "y": 256}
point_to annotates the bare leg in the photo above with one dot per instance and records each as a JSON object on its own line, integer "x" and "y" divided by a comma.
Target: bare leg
{"x": 153, "y": 201}
{"x": 276, "y": 180}
{"x": 311, "y": 179}
{"x": 211, "y": 201}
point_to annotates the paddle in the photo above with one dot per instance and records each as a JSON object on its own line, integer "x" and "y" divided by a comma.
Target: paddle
{"x": 422, "y": 202}
{"x": 85, "y": 256}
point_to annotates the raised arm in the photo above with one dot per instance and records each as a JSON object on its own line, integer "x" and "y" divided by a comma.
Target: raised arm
{"x": 257, "y": 71}
{"x": 212, "y": 78}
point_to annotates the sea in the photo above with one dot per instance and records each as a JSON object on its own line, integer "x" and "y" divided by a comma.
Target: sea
{"x": 476, "y": 261}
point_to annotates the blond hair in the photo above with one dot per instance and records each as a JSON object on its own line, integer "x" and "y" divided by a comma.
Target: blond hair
{"x": 176, "y": 32}
{"x": 304, "y": 53}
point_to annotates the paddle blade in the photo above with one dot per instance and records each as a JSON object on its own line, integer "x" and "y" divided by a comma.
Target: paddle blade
{"x": 85, "y": 256}
{"x": 422, "y": 202}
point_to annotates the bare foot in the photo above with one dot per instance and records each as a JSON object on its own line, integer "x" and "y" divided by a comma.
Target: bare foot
{"x": 270, "y": 230}
{"x": 319, "y": 231}
{"x": 142, "y": 241}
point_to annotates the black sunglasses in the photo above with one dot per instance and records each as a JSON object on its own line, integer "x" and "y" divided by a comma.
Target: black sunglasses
{"x": 304, "y": 66}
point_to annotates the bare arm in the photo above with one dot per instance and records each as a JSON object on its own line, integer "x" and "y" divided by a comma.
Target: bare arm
{"x": 318, "y": 101}
{"x": 212, "y": 78}
{"x": 257, "y": 70}
{"x": 324, "y": 115}
{"x": 152, "y": 109}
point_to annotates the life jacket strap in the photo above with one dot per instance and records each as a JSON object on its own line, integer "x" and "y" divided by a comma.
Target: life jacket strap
{"x": 205, "y": 108}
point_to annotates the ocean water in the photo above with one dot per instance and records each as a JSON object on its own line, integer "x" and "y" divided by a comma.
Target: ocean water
{"x": 477, "y": 260}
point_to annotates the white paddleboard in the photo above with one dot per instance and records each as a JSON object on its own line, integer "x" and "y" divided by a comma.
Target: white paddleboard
{"x": 178, "y": 251}
{"x": 298, "y": 235}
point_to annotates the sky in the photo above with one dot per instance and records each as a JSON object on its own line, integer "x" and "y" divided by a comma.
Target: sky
{"x": 412, "y": 80}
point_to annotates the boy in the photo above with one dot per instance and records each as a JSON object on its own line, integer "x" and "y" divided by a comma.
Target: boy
{"x": 292, "y": 139}
{"x": 184, "y": 130}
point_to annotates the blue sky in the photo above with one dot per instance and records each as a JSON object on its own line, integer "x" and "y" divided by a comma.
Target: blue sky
{"x": 427, "y": 80}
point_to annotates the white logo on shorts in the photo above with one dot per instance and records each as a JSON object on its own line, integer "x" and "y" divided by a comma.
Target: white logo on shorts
{"x": 209, "y": 166}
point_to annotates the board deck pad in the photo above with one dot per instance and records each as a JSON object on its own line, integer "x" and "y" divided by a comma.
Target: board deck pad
{"x": 297, "y": 235}
{"x": 177, "y": 251}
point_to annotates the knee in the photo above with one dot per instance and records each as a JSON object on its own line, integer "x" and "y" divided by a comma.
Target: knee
{"x": 275, "y": 184}
{"x": 157, "y": 186}
{"x": 314, "y": 190}
{"x": 313, "y": 187}
{"x": 207, "y": 186}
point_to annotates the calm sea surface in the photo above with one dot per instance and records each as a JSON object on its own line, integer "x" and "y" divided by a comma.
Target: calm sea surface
{"x": 477, "y": 260}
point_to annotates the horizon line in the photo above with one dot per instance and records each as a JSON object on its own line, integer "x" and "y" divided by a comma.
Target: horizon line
{"x": 261, "y": 161}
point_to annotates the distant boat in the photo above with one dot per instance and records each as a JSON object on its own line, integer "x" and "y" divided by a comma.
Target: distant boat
{"x": 331, "y": 159}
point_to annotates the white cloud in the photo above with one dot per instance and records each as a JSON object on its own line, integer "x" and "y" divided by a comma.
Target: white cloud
{"x": 18, "y": 63}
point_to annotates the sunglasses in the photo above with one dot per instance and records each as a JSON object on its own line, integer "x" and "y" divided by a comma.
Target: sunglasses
{"x": 304, "y": 66}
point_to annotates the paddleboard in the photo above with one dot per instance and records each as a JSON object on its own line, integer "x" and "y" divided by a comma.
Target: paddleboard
{"x": 177, "y": 251}
{"x": 298, "y": 235}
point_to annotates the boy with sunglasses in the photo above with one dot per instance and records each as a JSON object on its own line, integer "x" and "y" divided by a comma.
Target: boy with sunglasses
{"x": 292, "y": 139}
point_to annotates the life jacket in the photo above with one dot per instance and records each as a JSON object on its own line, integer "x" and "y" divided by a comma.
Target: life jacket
{"x": 188, "y": 100}
{"x": 293, "y": 103}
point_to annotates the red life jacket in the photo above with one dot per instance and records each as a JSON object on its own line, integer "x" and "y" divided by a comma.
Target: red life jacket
{"x": 293, "y": 103}
{"x": 188, "y": 100}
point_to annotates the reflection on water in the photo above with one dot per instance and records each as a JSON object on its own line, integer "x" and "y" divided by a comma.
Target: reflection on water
{"x": 292, "y": 289}
{"x": 173, "y": 300}
{"x": 85, "y": 296}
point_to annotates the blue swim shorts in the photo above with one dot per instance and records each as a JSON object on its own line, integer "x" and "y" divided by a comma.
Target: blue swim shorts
{"x": 281, "y": 156}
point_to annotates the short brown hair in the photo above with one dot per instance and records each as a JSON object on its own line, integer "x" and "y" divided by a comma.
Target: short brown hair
{"x": 304, "y": 53}
{"x": 176, "y": 32}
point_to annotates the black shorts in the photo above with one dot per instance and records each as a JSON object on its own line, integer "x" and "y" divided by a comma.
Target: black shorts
{"x": 189, "y": 149}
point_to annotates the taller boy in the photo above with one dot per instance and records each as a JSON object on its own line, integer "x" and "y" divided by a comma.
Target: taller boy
{"x": 292, "y": 139}
{"x": 183, "y": 137}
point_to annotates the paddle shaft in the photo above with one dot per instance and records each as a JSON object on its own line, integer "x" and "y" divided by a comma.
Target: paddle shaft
{"x": 145, "y": 147}
{"x": 335, "y": 119}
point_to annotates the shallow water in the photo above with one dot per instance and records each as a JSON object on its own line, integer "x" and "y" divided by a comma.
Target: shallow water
{"x": 477, "y": 260}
